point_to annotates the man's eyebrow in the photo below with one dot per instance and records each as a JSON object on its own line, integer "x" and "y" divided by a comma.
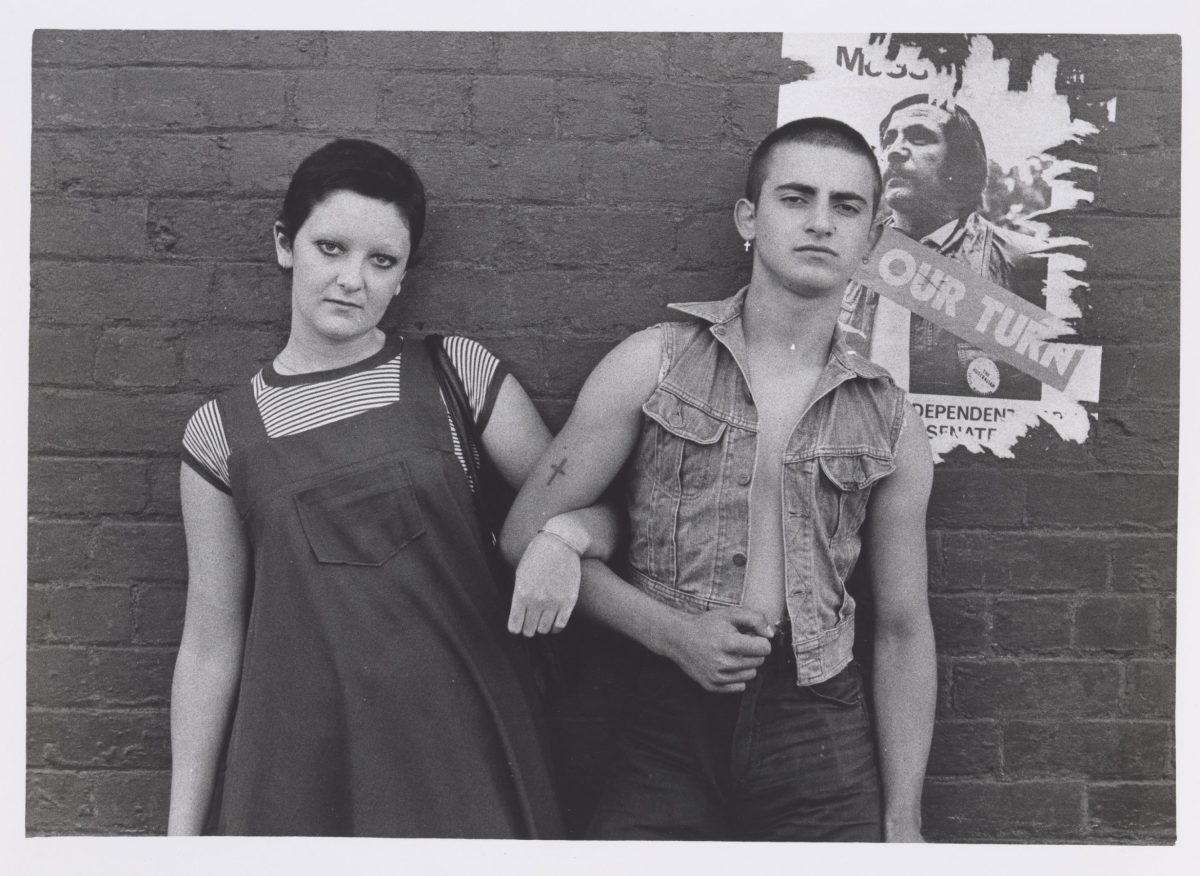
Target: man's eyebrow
{"x": 847, "y": 196}
{"x": 802, "y": 188}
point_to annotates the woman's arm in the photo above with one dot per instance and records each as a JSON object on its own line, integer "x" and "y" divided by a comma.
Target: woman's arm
{"x": 547, "y": 580}
{"x": 210, "y": 653}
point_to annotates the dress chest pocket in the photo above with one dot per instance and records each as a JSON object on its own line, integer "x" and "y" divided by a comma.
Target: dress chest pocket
{"x": 363, "y": 518}
{"x": 845, "y": 486}
{"x": 688, "y": 450}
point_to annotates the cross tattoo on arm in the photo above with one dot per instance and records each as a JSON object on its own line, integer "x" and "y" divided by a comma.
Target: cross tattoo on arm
{"x": 560, "y": 468}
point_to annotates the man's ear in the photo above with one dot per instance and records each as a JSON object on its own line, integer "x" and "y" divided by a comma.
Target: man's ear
{"x": 283, "y": 246}
{"x": 873, "y": 237}
{"x": 743, "y": 218}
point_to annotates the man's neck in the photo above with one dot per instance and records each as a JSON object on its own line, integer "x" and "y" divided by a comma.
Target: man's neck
{"x": 775, "y": 319}
{"x": 918, "y": 225}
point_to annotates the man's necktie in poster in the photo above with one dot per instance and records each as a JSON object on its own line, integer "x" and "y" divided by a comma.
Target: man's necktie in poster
{"x": 967, "y": 297}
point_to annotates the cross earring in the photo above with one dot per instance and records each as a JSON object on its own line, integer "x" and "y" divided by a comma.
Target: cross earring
{"x": 746, "y": 244}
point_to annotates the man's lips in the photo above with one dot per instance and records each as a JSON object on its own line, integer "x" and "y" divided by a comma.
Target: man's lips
{"x": 811, "y": 248}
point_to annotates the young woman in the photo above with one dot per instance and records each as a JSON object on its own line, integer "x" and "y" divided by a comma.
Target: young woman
{"x": 344, "y": 653}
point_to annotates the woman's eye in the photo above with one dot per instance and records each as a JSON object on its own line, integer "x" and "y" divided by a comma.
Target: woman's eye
{"x": 328, "y": 247}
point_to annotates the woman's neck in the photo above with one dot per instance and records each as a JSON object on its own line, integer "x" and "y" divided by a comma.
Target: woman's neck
{"x": 303, "y": 355}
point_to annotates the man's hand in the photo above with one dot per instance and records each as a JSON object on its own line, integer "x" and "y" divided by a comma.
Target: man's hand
{"x": 721, "y": 649}
{"x": 546, "y": 587}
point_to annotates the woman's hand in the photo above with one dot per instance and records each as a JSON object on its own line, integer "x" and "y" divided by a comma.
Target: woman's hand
{"x": 546, "y": 587}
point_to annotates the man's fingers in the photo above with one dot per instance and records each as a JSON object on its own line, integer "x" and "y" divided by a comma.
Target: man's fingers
{"x": 750, "y": 621}
{"x": 732, "y": 676}
{"x": 747, "y": 646}
{"x": 560, "y": 621}
{"x": 546, "y": 622}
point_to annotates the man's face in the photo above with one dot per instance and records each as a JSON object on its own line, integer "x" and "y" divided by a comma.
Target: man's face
{"x": 914, "y": 155}
{"x": 812, "y": 224}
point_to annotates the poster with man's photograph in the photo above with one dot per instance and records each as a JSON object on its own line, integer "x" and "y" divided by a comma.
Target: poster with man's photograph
{"x": 969, "y": 307}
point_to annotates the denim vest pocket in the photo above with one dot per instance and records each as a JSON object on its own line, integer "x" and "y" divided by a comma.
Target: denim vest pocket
{"x": 850, "y": 476}
{"x": 688, "y": 449}
{"x": 363, "y": 518}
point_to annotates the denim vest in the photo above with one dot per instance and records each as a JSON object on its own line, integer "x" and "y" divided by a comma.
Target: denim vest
{"x": 689, "y": 497}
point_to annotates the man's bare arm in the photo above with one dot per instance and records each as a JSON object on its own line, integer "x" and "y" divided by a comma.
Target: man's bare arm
{"x": 905, "y": 669}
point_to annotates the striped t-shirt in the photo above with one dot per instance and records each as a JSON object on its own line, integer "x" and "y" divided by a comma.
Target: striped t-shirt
{"x": 294, "y": 403}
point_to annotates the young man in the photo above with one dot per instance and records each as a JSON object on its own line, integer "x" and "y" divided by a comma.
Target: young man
{"x": 760, "y": 446}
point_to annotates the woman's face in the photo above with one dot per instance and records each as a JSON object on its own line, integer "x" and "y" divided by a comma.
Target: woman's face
{"x": 347, "y": 261}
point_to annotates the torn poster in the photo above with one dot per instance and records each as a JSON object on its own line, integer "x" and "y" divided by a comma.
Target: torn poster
{"x": 966, "y": 298}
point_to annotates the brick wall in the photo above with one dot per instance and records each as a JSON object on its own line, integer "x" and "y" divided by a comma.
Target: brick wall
{"x": 577, "y": 183}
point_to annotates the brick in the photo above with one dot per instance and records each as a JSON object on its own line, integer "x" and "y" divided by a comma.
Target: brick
{"x": 158, "y": 614}
{"x": 262, "y": 162}
{"x": 1123, "y": 248}
{"x": 64, "y": 487}
{"x": 87, "y": 228}
{"x": 722, "y": 55}
{"x": 1144, "y": 119}
{"x": 514, "y": 107}
{"x": 132, "y": 802}
{"x": 1116, "y": 623}
{"x": 1151, "y": 60}
{"x": 584, "y": 236}
{"x": 687, "y": 113}
{"x": 57, "y": 803}
{"x": 73, "y": 98}
{"x": 58, "y": 548}
{"x": 1136, "y": 438}
{"x": 394, "y": 50}
{"x": 648, "y": 173}
{"x": 164, "y": 488}
{"x": 960, "y": 624}
{"x": 217, "y": 358}
{"x": 87, "y": 615}
{"x": 160, "y": 97}
{"x": 1043, "y": 443}
{"x": 1014, "y": 810}
{"x": 93, "y": 294}
{"x": 1166, "y": 623}
{"x": 1103, "y": 750}
{"x": 245, "y": 99}
{"x": 41, "y": 162}
{"x": 153, "y": 551}
{"x": 79, "y": 739}
{"x": 250, "y": 294}
{"x": 1037, "y": 688}
{"x": 484, "y": 235}
{"x": 104, "y": 162}
{"x": 955, "y": 502}
{"x": 568, "y": 362}
{"x": 1102, "y": 499}
{"x": 631, "y": 55}
{"x": 60, "y": 676}
{"x": 1141, "y": 183}
{"x": 542, "y": 171}
{"x": 1149, "y": 689}
{"x": 1036, "y": 625}
{"x": 1155, "y": 374}
{"x": 228, "y": 230}
{"x": 1107, "y": 304}
{"x": 1139, "y": 811}
{"x": 601, "y": 110}
{"x": 337, "y": 101}
{"x": 965, "y": 748}
{"x": 224, "y": 48}
{"x": 752, "y": 113}
{"x": 1021, "y": 563}
{"x": 709, "y": 240}
{"x": 61, "y": 356}
{"x": 139, "y": 357}
{"x": 425, "y": 102}
{"x": 74, "y": 421}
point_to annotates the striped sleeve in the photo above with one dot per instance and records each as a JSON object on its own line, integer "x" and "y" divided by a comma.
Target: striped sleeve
{"x": 205, "y": 448}
{"x": 481, "y": 373}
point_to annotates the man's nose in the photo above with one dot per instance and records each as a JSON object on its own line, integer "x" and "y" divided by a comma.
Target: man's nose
{"x": 820, "y": 219}
{"x": 896, "y": 152}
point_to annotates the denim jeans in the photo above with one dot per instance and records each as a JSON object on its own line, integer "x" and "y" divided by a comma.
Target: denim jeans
{"x": 777, "y": 762}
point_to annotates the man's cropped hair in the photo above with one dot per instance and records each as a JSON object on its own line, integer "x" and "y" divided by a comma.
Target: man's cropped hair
{"x": 816, "y": 131}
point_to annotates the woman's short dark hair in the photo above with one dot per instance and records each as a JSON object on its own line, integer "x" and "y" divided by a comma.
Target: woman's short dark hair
{"x": 358, "y": 166}
{"x": 966, "y": 167}
{"x": 816, "y": 131}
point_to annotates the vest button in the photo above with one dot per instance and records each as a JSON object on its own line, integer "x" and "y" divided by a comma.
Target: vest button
{"x": 739, "y": 559}
{"x": 744, "y": 478}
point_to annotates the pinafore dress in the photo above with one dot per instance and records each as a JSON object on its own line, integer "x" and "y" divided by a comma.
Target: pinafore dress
{"x": 381, "y": 694}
